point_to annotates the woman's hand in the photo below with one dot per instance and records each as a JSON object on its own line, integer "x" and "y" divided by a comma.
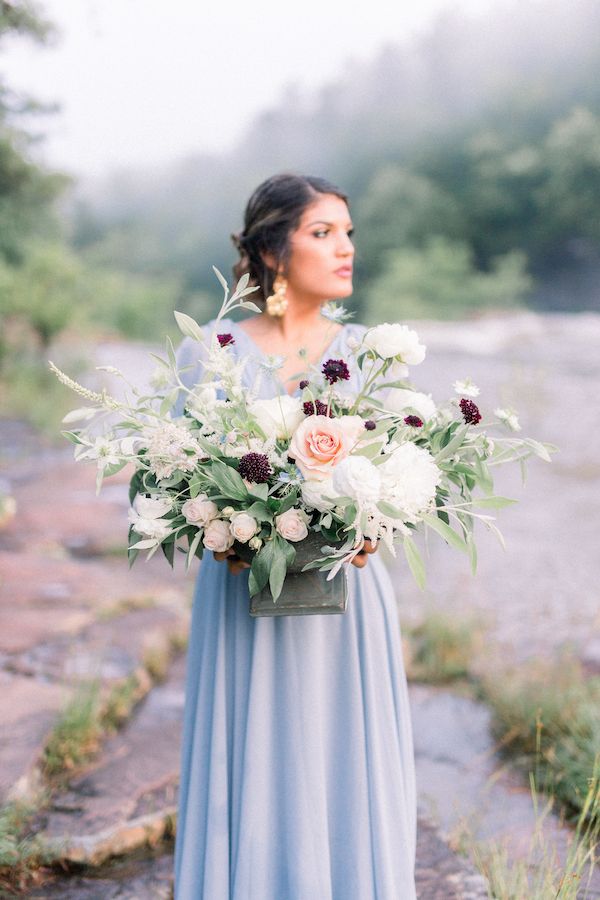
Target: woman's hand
{"x": 235, "y": 564}
{"x": 362, "y": 557}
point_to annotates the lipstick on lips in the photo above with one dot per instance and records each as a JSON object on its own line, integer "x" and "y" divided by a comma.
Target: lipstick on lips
{"x": 344, "y": 271}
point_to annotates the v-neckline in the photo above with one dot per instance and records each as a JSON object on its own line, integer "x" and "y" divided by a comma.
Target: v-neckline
{"x": 274, "y": 374}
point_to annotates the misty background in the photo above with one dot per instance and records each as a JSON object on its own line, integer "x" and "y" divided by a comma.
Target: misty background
{"x": 470, "y": 151}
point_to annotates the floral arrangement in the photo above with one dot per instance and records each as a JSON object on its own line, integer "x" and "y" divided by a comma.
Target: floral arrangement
{"x": 216, "y": 466}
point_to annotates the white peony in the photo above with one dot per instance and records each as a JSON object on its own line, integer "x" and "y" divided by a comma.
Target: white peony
{"x": 409, "y": 477}
{"x": 353, "y": 426}
{"x": 292, "y": 524}
{"x": 243, "y": 527}
{"x": 200, "y": 510}
{"x": 395, "y": 340}
{"x": 357, "y": 477}
{"x": 278, "y": 415}
{"x": 400, "y": 400}
{"x": 314, "y": 493}
{"x": 217, "y": 536}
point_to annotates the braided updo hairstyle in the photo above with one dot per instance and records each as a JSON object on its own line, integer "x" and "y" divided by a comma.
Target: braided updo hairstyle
{"x": 272, "y": 214}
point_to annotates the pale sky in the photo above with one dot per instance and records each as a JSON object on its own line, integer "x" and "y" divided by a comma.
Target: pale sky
{"x": 145, "y": 82}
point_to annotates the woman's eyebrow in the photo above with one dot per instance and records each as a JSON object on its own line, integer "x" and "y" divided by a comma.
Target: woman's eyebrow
{"x": 323, "y": 222}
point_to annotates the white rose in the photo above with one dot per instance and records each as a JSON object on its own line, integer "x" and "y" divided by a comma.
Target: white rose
{"x": 399, "y": 400}
{"x": 243, "y": 527}
{"x": 217, "y": 536}
{"x": 395, "y": 340}
{"x": 314, "y": 493}
{"x": 151, "y": 507}
{"x": 280, "y": 415}
{"x": 291, "y": 524}
{"x": 199, "y": 511}
{"x": 409, "y": 477}
{"x": 357, "y": 477}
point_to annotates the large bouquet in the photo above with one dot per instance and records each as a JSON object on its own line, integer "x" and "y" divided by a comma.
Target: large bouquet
{"x": 217, "y": 466}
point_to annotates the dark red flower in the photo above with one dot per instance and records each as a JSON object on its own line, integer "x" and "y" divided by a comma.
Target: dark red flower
{"x": 304, "y": 383}
{"x": 225, "y": 339}
{"x": 470, "y": 412}
{"x": 316, "y": 408}
{"x": 335, "y": 370}
{"x": 255, "y": 467}
{"x": 413, "y": 421}
{"x": 370, "y": 425}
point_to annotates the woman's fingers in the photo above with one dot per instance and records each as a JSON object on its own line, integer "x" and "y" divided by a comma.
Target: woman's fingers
{"x": 362, "y": 557}
{"x": 234, "y": 563}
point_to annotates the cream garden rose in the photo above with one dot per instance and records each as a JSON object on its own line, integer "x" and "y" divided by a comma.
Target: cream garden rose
{"x": 200, "y": 511}
{"x": 292, "y": 524}
{"x": 279, "y": 415}
{"x": 320, "y": 443}
{"x": 315, "y": 491}
{"x": 409, "y": 478}
{"x": 395, "y": 340}
{"x": 243, "y": 527}
{"x": 217, "y": 536}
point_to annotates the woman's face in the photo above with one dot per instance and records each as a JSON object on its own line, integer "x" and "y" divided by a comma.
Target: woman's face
{"x": 321, "y": 251}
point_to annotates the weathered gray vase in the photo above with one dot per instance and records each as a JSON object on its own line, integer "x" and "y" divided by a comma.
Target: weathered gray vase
{"x": 303, "y": 593}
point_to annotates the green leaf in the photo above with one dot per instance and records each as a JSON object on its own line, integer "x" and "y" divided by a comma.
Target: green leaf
{"x": 192, "y": 550}
{"x": 169, "y": 551}
{"x": 370, "y": 450}
{"x": 243, "y": 283}
{"x": 472, "y": 549}
{"x": 260, "y": 511}
{"x": 72, "y": 436}
{"x": 493, "y": 502}
{"x": 171, "y": 352}
{"x": 288, "y": 501}
{"x": 278, "y": 570}
{"x": 258, "y": 490}
{"x": 452, "y": 445}
{"x": 484, "y": 479}
{"x": 114, "y": 468}
{"x": 388, "y": 509}
{"x": 453, "y": 538}
{"x": 260, "y": 568}
{"x": 222, "y": 281}
{"x": 413, "y": 557}
{"x": 188, "y": 326}
{"x": 228, "y": 480}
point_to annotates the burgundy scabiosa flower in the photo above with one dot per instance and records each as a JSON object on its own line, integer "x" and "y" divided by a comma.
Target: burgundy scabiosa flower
{"x": 413, "y": 421}
{"x": 225, "y": 339}
{"x": 470, "y": 412}
{"x": 255, "y": 467}
{"x": 370, "y": 425}
{"x": 335, "y": 370}
{"x": 316, "y": 408}
{"x": 304, "y": 383}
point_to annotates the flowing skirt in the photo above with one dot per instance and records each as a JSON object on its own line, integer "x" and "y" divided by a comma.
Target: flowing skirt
{"x": 297, "y": 771}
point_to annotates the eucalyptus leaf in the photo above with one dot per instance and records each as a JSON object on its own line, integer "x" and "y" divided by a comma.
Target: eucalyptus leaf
{"x": 222, "y": 281}
{"x": 415, "y": 562}
{"x": 188, "y": 326}
{"x": 493, "y": 502}
{"x": 445, "y": 531}
{"x": 277, "y": 572}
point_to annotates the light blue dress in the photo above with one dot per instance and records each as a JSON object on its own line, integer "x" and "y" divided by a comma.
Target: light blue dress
{"x": 297, "y": 773}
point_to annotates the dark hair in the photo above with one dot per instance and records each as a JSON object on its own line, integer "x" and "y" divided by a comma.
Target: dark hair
{"x": 274, "y": 210}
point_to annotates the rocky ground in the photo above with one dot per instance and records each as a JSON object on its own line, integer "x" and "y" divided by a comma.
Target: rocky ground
{"x": 70, "y": 609}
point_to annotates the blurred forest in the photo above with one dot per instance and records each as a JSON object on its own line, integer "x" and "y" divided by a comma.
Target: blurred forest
{"x": 471, "y": 156}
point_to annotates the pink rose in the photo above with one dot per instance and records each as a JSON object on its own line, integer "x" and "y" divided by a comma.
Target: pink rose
{"x": 319, "y": 444}
{"x": 217, "y": 536}
{"x": 291, "y": 524}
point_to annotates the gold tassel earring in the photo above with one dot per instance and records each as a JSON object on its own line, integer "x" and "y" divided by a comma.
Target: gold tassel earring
{"x": 277, "y": 302}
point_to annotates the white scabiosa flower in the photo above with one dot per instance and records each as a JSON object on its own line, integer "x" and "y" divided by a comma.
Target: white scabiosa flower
{"x": 397, "y": 341}
{"x": 401, "y": 400}
{"x": 509, "y": 418}
{"x": 466, "y": 388}
{"x": 409, "y": 477}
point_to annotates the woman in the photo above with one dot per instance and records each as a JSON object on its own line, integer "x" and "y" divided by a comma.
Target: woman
{"x": 297, "y": 776}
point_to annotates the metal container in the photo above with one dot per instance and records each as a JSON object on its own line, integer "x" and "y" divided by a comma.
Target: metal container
{"x": 303, "y": 593}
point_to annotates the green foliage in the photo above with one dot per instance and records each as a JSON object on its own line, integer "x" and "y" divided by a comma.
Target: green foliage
{"x": 21, "y": 852}
{"x": 442, "y": 647}
{"x": 548, "y": 714}
{"x": 441, "y": 280}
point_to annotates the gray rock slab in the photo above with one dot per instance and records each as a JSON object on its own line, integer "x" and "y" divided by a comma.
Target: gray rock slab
{"x": 128, "y": 796}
